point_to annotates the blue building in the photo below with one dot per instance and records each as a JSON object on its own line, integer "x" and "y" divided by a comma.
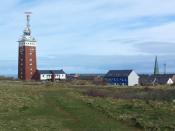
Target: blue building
{"x": 122, "y": 77}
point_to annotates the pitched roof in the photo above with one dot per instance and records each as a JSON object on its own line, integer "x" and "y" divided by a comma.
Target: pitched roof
{"x": 58, "y": 71}
{"x": 44, "y": 71}
{"x": 161, "y": 80}
{"x": 118, "y": 73}
{"x": 155, "y": 79}
{"x": 165, "y": 75}
{"x": 51, "y": 71}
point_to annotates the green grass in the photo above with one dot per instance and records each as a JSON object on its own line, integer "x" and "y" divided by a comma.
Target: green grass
{"x": 44, "y": 107}
{"x": 33, "y": 106}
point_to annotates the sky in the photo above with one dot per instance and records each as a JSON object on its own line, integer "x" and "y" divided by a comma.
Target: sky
{"x": 91, "y": 36}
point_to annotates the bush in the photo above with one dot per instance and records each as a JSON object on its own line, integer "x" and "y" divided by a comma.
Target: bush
{"x": 143, "y": 94}
{"x": 6, "y": 78}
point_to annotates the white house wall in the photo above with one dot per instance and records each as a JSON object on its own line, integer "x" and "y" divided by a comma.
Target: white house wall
{"x": 170, "y": 82}
{"x": 45, "y": 76}
{"x": 49, "y": 76}
{"x": 133, "y": 79}
{"x": 62, "y": 76}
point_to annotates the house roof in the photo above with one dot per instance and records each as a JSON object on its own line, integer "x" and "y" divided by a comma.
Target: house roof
{"x": 161, "y": 80}
{"x": 58, "y": 72}
{"x": 51, "y": 71}
{"x": 118, "y": 73}
{"x": 159, "y": 75}
{"x": 44, "y": 71}
{"x": 165, "y": 75}
{"x": 155, "y": 79}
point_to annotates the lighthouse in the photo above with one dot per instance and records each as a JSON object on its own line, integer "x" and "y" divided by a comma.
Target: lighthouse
{"x": 27, "y": 53}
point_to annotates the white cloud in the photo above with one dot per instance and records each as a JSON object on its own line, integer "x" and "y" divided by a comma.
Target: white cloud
{"x": 90, "y": 27}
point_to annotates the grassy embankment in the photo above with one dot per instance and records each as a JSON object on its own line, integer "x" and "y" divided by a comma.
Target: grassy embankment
{"x": 27, "y": 106}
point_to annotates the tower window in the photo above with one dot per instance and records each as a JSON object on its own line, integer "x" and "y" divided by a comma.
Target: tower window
{"x": 31, "y": 49}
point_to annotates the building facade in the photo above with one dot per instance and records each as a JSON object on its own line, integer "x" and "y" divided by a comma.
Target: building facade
{"x": 27, "y": 64}
{"x": 161, "y": 79}
{"x": 122, "y": 77}
{"x": 50, "y": 75}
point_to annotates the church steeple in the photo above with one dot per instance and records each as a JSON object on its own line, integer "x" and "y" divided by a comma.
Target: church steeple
{"x": 156, "y": 67}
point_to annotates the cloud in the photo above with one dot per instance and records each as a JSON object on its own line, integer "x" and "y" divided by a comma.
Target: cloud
{"x": 108, "y": 28}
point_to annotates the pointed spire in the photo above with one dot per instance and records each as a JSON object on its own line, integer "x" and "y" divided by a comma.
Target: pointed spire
{"x": 156, "y": 67}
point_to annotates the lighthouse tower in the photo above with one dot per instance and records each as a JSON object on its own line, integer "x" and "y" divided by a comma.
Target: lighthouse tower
{"x": 27, "y": 53}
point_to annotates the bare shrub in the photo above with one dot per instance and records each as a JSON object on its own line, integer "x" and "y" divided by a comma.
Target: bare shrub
{"x": 144, "y": 94}
{"x": 97, "y": 93}
{"x": 6, "y": 78}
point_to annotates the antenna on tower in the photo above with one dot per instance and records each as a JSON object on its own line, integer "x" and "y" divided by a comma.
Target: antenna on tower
{"x": 28, "y": 18}
{"x": 165, "y": 68}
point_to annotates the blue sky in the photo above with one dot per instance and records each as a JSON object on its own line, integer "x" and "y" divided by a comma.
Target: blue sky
{"x": 91, "y": 36}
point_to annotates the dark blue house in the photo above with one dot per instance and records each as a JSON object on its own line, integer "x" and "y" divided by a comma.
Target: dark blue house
{"x": 122, "y": 77}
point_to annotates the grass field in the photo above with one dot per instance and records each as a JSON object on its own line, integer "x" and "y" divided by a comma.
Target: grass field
{"x": 32, "y": 106}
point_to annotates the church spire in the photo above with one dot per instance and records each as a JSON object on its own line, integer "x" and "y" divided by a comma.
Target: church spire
{"x": 156, "y": 67}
